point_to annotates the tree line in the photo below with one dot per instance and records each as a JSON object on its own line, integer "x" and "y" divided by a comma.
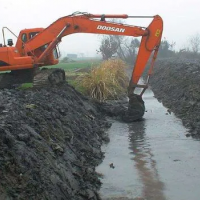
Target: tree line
{"x": 126, "y": 48}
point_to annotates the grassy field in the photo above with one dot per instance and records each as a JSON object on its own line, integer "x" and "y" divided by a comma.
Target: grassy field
{"x": 71, "y": 66}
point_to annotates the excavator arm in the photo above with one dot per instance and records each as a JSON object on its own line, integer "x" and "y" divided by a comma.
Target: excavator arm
{"x": 89, "y": 23}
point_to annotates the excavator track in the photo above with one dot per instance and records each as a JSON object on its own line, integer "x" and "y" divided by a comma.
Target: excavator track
{"x": 15, "y": 78}
{"x": 39, "y": 78}
{"x": 46, "y": 77}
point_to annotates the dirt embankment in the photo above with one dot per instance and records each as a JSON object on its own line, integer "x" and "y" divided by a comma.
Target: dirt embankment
{"x": 50, "y": 143}
{"x": 176, "y": 84}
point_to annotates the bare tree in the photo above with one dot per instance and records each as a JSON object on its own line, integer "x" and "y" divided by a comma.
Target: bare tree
{"x": 128, "y": 49}
{"x": 112, "y": 44}
{"x": 108, "y": 47}
{"x": 121, "y": 46}
{"x": 195, "y": 43}
{"x": 166, "y": 48}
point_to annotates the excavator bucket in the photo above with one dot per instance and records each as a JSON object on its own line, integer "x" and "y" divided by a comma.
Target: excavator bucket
{"x": 136, "y": 109}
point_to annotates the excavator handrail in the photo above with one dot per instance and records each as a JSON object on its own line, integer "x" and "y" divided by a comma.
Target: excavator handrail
{"x": 3, "y": 33}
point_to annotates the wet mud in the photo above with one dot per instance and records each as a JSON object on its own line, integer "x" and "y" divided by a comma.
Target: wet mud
{"x": 50, "y": 141}
{"x": 51, "y": 138}
{"x": 50, "y": 144}
{"x": 176, "y": 84}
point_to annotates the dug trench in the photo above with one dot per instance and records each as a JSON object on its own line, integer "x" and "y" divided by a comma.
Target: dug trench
{"x": 175, "y": 83}
{"x": 50, "y": 143}
{"x": 50, "y": 138}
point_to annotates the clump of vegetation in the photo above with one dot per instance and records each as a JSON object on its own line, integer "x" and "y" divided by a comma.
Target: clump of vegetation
{"x": 107, "y": 81}
{"x": 25, "y": 86}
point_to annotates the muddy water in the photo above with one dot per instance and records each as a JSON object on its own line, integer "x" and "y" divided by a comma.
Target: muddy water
{"x": 151, "y": 159}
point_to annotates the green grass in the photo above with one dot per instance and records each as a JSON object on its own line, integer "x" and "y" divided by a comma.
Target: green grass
{"x": 77, "y": 86}
{"x": 76, "y": 65}
{"x": 71, "y": 73}
{"x": 25, "y": 86}
{"x": 71, "y": 66}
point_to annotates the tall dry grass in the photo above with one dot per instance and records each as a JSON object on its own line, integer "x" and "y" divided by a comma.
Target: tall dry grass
{"x": 107, "y": 81}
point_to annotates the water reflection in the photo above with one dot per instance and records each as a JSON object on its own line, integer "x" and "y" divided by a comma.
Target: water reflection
{"x": 158, "y": 150}
{"x": 144, "y": 162}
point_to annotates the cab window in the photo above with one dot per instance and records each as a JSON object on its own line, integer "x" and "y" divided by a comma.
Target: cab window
{"x": 24, "y": 37}
{"x": 32, "y": 34}
{"x": 55, "y": 53}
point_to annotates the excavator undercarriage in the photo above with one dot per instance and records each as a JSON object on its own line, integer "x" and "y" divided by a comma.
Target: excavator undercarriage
{"x": 39, "y": 78}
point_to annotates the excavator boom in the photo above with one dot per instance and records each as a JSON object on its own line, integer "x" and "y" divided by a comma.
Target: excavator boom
{"x": 82, "y": 24}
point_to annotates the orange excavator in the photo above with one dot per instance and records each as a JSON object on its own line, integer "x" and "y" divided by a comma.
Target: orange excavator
{"x": 38, "y": 47}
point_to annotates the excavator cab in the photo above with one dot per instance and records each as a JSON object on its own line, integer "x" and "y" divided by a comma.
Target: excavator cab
{"x": 27, "y": 35}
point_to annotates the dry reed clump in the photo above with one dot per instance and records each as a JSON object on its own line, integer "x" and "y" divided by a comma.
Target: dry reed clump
{"x": 107, "y": 81}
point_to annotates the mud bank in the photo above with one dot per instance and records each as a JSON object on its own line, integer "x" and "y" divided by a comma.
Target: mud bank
{"x": 176, "y": 84}
{"x": 50, "y": 144}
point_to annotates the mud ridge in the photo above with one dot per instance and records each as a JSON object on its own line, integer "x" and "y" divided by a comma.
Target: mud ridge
{"x": 176, "y": 84}
{"x": 50, "y": 144}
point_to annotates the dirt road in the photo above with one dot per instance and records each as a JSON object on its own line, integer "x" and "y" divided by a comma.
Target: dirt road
{"x": 151, "y": 159}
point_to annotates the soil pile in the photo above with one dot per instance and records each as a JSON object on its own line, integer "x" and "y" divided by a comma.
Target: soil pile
{"x": 50, "y": 143}
{"x": 176, "y": 84}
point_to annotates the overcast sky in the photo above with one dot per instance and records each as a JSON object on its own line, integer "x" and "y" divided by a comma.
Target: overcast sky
{"x": 181, "y": 18}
